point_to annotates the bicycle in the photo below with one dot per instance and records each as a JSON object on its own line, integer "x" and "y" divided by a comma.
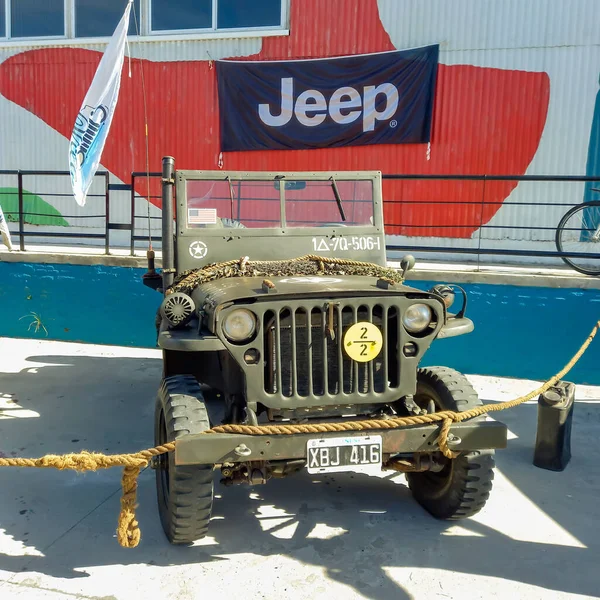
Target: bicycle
{"x": 578, "y": 236}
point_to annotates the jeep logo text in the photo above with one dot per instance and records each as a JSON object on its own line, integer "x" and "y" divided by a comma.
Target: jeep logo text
{"x": 344, "y": 106}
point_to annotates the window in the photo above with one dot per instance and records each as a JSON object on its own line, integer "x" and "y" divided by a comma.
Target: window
{"x": 37, "y": 18}
{"x": 88, "y": 19}
{"x": 213, "y": 203}
{"x": 315, "y": 203}
{"x": 215, "y": 15}
{"x": 233, "y": 14}
{"x": 217, "y": 204}
{"x": 181, "y": 14}
{"x": 98, "y": 18}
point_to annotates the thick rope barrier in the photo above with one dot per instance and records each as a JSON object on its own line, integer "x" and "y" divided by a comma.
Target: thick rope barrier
{"x": 128, "y": 530}
{"x": 447, "y": 416}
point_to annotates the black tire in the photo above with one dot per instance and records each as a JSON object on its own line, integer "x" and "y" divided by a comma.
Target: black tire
{"x": 571, "y": 222}
{"x": 184, "y": 493}
{"x": 462, "y": 488}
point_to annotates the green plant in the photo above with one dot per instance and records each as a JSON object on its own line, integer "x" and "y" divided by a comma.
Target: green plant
{"x": 36, "y": 321}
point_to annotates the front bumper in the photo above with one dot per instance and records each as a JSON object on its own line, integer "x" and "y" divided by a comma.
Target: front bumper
{"x": 218, "y": 448}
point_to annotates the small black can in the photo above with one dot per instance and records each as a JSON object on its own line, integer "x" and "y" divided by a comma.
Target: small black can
{"x": 555, "y": 418}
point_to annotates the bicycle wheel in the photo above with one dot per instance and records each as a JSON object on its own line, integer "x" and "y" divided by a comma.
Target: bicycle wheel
{"x": 579, "y": 232}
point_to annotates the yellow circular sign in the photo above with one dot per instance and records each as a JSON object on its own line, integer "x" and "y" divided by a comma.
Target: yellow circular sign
{"x": 363, "y": 341}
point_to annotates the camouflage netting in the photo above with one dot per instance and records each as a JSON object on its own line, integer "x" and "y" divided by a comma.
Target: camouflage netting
{"x": 304, "y": 265}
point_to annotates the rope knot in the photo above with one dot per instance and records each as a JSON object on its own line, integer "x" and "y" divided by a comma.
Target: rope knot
{"x": 128, "y": 529}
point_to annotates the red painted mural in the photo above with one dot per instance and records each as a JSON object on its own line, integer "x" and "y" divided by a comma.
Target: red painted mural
{"x": 478, "y": 114}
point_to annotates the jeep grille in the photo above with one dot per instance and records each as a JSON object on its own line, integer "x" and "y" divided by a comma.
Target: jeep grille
{"x": 303, "y": 360}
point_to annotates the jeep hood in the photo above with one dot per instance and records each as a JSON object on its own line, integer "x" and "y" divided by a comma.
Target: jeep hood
{"x": 253, "y": 289}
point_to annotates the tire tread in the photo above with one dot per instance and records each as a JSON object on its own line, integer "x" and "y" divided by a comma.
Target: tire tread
{"x": 472, "y": 472}
{"x": 188, "y": 511}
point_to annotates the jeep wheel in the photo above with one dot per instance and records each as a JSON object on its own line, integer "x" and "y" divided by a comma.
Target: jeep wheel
{"x": 463, "y": 486}
{"x": 185, "y": 493}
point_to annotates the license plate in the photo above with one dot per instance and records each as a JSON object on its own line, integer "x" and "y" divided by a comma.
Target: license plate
{"x": 333, "y": 455}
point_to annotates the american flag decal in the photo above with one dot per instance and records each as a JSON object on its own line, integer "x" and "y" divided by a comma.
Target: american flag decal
{"x": 202, "y": 216}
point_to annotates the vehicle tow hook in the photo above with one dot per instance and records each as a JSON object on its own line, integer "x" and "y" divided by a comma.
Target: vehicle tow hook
{"x": 243, "y": 450}
{"x": 453, "y": 440}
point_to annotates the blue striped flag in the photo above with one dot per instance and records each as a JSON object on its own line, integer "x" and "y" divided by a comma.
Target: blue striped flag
{"x": 95, "y": 117}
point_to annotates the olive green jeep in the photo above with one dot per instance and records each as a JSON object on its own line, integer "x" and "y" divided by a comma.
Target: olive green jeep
{"x": 279, "y": 308}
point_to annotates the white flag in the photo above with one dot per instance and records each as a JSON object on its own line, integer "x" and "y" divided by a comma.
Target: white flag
{"x": 4, "y": 232}
{"x": 95, "y": 117}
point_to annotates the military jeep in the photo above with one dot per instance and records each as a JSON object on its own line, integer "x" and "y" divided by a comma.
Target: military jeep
{"x": 279, "y": 308}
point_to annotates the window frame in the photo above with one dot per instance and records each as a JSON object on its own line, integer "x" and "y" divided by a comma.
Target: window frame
{"x": 214, "y": 29}
{"x": 101, "y": 38}
{"x": 8, "y": 26}
{"x": 145, "y": 28}
{"x": 184, "y": 176}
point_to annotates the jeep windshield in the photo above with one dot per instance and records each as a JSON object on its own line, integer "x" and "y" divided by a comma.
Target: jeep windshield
{"x": 279, "y": 202}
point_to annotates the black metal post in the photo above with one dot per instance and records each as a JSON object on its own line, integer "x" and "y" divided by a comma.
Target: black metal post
{"x": 21, "y": 217}
{"x": 168, "y": 181}
{"x": 132, "y": 247}
{"x": 107, "y": 216}
{"x": 480, "y": 226}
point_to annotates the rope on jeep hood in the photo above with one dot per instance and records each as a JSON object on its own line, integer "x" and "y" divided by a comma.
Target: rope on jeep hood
{"x": 309, "y": 264}
{"x": 128, "y": 530}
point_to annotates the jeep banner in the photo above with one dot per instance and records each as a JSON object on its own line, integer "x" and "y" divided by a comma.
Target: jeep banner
{"x": 383, "y": 98}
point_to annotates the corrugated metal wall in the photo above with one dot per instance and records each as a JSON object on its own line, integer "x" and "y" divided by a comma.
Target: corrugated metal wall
{"x": 558, "y": 39}
{"x": 516, "y": 93}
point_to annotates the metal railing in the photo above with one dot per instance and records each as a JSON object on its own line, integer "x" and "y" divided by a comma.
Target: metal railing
{"x": 401, "y": 198}
{"x": 482, "y": 226}
{"x": 136, "y": 175}
{"x": 22, "y": 214}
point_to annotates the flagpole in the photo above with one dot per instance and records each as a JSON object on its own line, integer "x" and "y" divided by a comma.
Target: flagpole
{"x": 150, "y": 255}
{"x": 95, "y": 116}
{"x": 147, "y": 144}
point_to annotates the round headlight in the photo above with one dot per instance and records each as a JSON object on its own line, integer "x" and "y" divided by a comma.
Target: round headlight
{"x": 417, "y": 318}
{"x": 239, "y": 325}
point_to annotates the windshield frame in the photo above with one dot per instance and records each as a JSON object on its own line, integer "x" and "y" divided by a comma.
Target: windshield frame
{"x": 183, "y": 176}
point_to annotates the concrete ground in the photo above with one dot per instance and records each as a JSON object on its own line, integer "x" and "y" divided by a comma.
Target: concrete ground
{"x": 307, "y": 537}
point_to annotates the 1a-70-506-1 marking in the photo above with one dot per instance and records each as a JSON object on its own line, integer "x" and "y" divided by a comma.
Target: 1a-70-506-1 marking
{"x": 345, "y": 244}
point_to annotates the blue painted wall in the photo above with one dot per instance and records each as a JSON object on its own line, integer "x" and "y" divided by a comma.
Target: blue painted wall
{"x": 97, "y": 304}
{"x": 523, "y": 332}
{"x": 527, "y": 332}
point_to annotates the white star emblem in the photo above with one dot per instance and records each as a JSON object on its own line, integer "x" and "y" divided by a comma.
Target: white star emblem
{"x": 198, "y": 249}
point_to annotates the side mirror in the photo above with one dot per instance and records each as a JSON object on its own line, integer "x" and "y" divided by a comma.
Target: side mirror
{"x": 447, "y": 294}
{"x": 407, "y": 263}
